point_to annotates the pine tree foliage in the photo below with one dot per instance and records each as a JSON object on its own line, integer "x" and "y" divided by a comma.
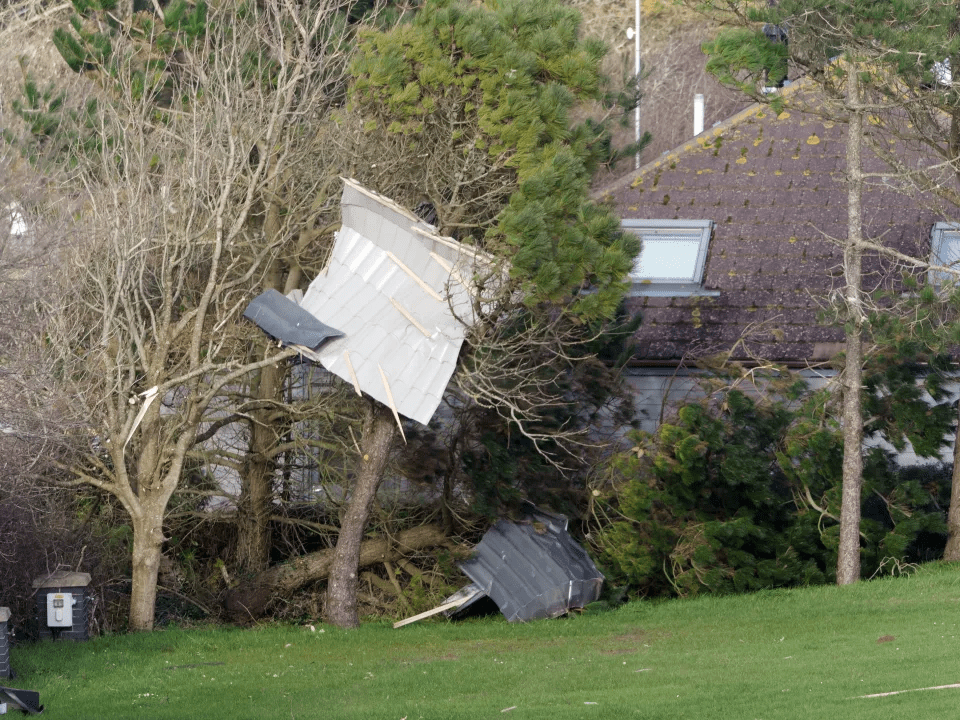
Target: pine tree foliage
{"x": 150, "y": 56}
{"x": 904, "y": 50}
{"x": 911, "y": 38}
{"x": 495, "y": 116}
{"x": 96, "y": 25}
{"x": 498, "y": 88}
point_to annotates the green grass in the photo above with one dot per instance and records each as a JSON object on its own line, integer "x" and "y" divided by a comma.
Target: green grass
{"x": 804, "y": 653}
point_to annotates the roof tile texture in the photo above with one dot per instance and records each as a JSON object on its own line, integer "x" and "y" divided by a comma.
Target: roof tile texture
{"x": 774, "y": 187}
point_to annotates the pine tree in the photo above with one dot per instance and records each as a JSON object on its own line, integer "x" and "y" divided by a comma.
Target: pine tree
{"x": 487, "y": 95}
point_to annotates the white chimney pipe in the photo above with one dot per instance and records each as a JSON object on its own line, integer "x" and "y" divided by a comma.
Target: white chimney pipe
{"x": 697, "y": 114}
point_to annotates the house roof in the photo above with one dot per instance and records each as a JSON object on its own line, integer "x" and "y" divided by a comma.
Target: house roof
{"x": 773, "y": 183}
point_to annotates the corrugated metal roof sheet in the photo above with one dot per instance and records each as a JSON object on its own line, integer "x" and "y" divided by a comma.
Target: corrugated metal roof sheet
{"x": 533, "y": 569}
{"x": 396, "y": 289}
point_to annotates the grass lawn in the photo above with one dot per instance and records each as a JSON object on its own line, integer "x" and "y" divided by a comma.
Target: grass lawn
{"x": 806, "y": 653}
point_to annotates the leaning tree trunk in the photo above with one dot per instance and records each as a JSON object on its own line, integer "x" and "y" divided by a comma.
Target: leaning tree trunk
{"x": 848, "y": 555}
{"x": 378, "y": 431}
{"x": 951, "y": 553}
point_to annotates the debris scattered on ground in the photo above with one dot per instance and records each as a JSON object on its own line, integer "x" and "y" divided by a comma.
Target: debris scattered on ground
{"x": 900, "y": 692}
{"x": 26, "y": 701}
{"x": 531, "y": 569}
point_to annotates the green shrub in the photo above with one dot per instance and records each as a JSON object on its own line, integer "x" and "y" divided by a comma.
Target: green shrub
{"x": 735, "y": 495}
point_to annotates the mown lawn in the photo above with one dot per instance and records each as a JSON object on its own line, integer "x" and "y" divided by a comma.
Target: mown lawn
{"x": 808, "y": 653}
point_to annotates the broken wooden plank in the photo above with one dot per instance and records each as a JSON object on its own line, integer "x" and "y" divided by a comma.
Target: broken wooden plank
{"x": 381, "y": 199}
{"x": 410, "y": 318}
{"x": 393, "y": 405}
{"x": 416, "y": 278}
{"x": 900, "y": 692}
{"x": 148, "y": 397}
{"x": 454, "y": 273}
{"x": 353, "y": 373}
{"x": 458, "y": 247}
{"x": 430, "y": 613}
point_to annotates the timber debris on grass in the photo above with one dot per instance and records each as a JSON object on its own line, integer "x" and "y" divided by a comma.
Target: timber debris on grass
{"x": 953, "y": 686}
{"x": 250, "y": 600}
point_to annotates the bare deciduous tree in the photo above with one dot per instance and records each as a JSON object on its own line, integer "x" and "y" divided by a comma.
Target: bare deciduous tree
{"x": 38, "y": 524}
{"x": 190, "y": 205}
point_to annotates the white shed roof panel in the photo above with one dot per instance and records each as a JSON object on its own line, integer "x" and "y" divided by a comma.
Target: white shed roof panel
{"x": 391, "y": 298}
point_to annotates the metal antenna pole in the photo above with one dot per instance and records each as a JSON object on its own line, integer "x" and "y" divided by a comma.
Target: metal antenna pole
{"x": 636, "y": 70}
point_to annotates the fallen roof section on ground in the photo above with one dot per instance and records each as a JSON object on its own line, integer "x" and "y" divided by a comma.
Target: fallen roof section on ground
{"x": 531, "y": 569}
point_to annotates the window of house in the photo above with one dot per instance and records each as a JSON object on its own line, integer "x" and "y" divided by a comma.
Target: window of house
{"x": 672, "y": 256}
{"x": 945, "y": 251}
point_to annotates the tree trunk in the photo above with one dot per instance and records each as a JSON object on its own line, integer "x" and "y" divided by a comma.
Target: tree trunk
{"x": 378, "y": 431}
{"x": 255, "y": 506}
{"x": 253, "y": 514}
{"x": 951, "y": 553}
{"x": 848, "y": 555}
{"x": 147, "y": 549}
{"x": 250, "y": 600}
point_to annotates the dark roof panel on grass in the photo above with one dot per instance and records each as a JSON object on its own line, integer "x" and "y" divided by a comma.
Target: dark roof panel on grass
{"x": 533, "y": 569}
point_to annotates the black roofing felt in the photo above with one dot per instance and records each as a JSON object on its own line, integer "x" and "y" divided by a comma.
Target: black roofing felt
{"x": 281, "y": 318}
{"x": 26, "y": 701}
{"x": 533, "y": 569}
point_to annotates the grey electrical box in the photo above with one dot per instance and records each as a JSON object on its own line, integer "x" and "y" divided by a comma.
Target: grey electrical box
{"x": 4, "y": 643}
{"x": 63, "y": 604}
{"x": 60, "y": 610}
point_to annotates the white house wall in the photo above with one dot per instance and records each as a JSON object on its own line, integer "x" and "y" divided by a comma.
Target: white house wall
{"x": 658, "y": 392}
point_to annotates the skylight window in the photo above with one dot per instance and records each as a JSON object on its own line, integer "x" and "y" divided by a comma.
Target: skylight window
{"x": 672, "y": 256}
{"x": 944, "y": 251}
